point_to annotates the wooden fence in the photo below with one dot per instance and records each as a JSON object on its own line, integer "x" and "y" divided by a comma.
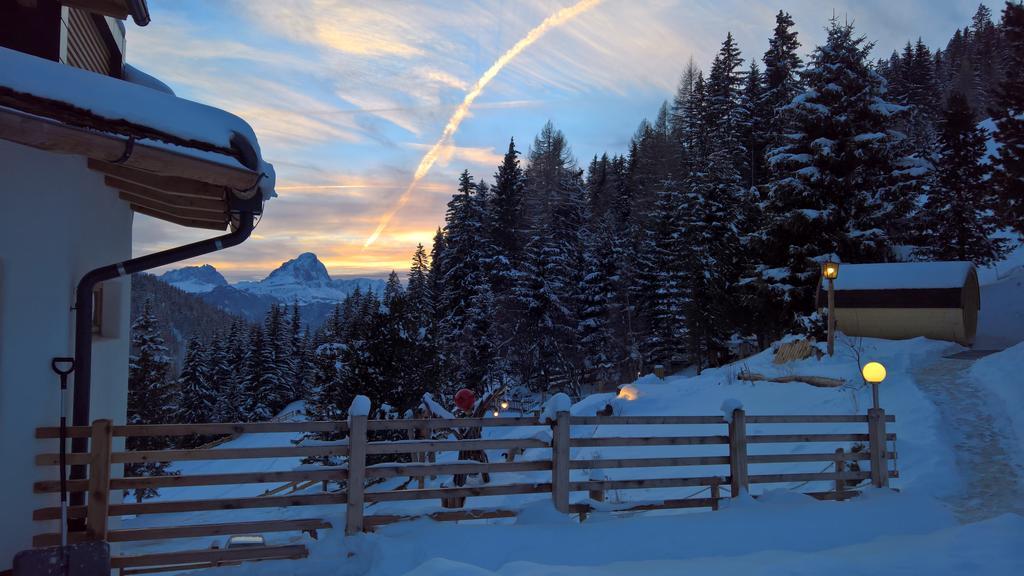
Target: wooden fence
{"x": 357, "y": 475}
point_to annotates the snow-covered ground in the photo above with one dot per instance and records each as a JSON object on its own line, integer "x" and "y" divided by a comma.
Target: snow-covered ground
{"x": 958, "y": 508}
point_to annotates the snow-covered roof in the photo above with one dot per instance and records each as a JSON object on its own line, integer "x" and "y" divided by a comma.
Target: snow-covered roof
{"x": 141, "y": 107}
{"x": 903, "y": 275}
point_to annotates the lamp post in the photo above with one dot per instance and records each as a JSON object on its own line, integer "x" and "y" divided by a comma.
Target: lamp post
{"x": 830, "y": 271}
{"x": 874, "y": 373}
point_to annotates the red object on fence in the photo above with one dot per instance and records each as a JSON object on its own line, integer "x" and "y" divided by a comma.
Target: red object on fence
{"x": 465, "y": 399}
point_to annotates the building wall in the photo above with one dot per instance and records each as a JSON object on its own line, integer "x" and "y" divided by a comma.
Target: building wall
{"x": 57, "y": 221}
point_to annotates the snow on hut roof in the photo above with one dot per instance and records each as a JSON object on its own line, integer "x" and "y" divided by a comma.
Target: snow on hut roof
{"x": 902, "y": 275}
{"x": 85, "y": 99}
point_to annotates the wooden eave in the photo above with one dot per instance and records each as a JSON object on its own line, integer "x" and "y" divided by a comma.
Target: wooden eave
{"x": 157, "y": 180}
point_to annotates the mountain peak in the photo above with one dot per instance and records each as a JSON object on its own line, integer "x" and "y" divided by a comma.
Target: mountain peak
{"x": 305, "y": 268}
{"x": 195, "y": 279}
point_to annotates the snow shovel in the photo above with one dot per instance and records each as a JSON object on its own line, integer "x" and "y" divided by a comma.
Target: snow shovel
{"x": 85, "y": 559}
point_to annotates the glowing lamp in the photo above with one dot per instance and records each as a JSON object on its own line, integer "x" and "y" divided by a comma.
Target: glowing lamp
{"x": 495, "y": 413}
{"x": 830, "y": 270}
{"x": 873, "y": 372}
{"x": 504, "y": 404}
{"x": 628, "y": 392}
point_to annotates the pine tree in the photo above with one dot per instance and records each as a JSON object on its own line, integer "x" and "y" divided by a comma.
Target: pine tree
{"x": 150, "y": 397}
{"x": 958, "y": 216}
{"x": 197, "y": 396}
{"x": 835, "y": 186}
{"x": 782, "y": 81}
{"x": 1009, "y": 174}
{"x": 260, "y": 384}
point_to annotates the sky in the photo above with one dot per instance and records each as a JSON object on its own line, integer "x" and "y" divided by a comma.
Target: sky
{"x": 346, "y": 97}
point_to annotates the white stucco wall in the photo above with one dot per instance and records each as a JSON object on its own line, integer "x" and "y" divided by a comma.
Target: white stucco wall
{"x": 57, "y": 221}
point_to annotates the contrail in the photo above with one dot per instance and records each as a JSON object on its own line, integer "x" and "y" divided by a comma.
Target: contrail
{"x": 427, "y": 162}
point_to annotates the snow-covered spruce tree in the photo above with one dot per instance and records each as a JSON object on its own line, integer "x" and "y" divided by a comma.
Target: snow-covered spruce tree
{"x": 150, "y": 397}
{"x": 421, "y": 366}
{"x": 231, "y": 404}
{"x": 260, "y": 385}
{"x": 197, "y": 397}
{"x": 835, "y": 185}
{"x": 958, "y": 219}
{"x": 1009, "y": 175}
{"x": 602, "y": 334}
{"x": 220, "y": 377}
{"x": 279, "y": 367}
{"x": 555, "y": 212}
{"x": 297, "y": 359}
{"x": 782, "y": 81}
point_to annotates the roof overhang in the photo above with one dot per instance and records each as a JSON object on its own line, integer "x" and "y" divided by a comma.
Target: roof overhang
{"x": 119, "y": 9}
{"x": 192, "y": 177}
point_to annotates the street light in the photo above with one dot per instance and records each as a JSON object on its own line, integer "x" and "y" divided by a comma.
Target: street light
{"x": 830, "y": 270}
{"x": 874, "y": 374}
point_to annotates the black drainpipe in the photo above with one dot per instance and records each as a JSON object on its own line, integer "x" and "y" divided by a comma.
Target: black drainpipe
{"x": 83, "y": 318}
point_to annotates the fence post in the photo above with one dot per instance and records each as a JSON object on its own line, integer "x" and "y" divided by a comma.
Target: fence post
{"x": 716, "y": 494}
{"x": 356, "y": 473}
{"x": 876, "y": 433}
{"x": 99, "y": 479}
{"x": 738, "y": 452}
{"x": 560, "y": 462}
{"x": 840, "y": 468}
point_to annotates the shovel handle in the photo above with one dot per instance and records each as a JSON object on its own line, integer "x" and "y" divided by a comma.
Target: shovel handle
{"x": 63, "y": 365}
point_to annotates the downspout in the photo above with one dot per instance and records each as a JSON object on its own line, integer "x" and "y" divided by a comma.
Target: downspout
{"x": 84, "y": 311}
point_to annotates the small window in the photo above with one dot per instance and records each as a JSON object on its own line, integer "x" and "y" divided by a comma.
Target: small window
{"x": 97, "y": 309}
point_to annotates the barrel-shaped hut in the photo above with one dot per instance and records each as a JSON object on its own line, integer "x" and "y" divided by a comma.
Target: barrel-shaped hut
{"x": 938, "y": 300}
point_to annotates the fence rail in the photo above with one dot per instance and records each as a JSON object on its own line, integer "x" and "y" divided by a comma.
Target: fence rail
{"x": 566, "y": 453}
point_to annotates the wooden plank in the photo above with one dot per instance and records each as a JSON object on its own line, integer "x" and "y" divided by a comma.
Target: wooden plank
{"x": 788, "y": 438}
{"x": 175, "y": 568}
{"x": 810, "y": 419}
{"x": 175, "y": 185}
{"x": 416, "y": 470}
{"x": 466, "y": 491}
{"x": 51, "y": 486}
{"x": 649, "y": 441}
{"x": 99, "y": 478}
{"x": 72, "y": 432}
{"x": 156, "y": 206}
{"x": 131, "y": 191}
{"x": 409, "y": 446}
{"x": 670, "y": 504}
{"x": 649, "y": 462}
{"x": 435, "y": 423}
{"x": 645, "y": 483}
{"x": 45, "y": 133}
{"x": 817, "y": 457}
{"x": 290, "y": 552}
{"x": 644, "y": 420}
{"x": 372, "y": 522}
{"x": 229, "y": 428}
{"x": 807, "y": 477}
{"x": 196, "y": 530}
{"x": 738, "y": 439}
{"x": 53, "y": 512}
{"x": 356, "y": 474}
{"x": 53, "y": 459}
{"x": 560, "y": 461}
{"x": 190, "y": 222}
{"x": 228, "y": 453}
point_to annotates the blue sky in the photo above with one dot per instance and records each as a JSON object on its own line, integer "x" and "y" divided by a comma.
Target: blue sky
{"x": 354, "y": 93}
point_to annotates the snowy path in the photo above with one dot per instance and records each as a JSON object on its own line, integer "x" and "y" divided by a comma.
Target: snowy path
{"x": 990, "y": 479}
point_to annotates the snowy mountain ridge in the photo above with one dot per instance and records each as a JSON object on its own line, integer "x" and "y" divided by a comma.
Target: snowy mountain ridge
{"x": 195, "y": 279}
{"x": 303, "y": 279}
